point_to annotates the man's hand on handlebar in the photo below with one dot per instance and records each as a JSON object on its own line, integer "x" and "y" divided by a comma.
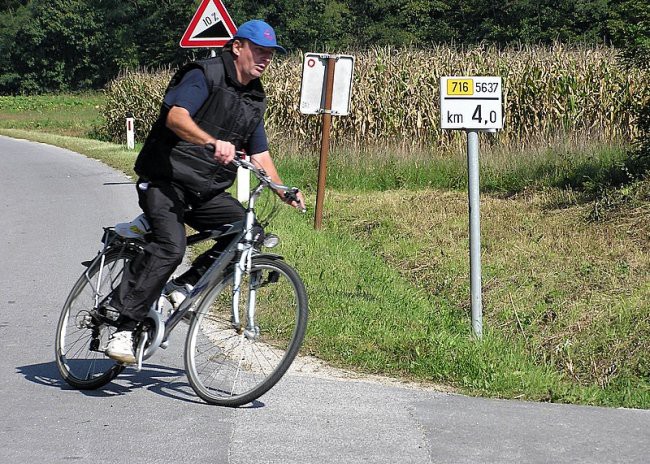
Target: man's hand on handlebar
{"x": 224, "y": 152}
{"x": 294, "y": 198}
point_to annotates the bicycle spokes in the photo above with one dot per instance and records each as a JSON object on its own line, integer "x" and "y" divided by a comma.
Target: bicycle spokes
{"x": 231, "y": 364}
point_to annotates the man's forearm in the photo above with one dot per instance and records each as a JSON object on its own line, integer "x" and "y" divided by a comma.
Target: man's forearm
{"x": 264, "y": 161}
{"x": 181, "y": 123}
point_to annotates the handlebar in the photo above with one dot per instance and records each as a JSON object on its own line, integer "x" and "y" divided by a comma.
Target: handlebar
{"x": 290, "y": 193}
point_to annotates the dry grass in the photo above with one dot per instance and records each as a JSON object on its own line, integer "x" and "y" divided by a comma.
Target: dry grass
{"x": 576, "y": 292}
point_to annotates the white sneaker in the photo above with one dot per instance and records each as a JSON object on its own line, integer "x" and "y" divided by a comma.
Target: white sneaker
{"x": 177, "y": 292}
{"x": 120, "y": 347}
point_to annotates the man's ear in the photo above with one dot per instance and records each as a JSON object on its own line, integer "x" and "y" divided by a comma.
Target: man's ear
{"x": 236, "y": 47}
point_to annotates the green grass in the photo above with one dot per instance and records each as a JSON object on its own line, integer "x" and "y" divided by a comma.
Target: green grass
{"x": 582, "y": 168}
{"x": 73, "y": 115}
{"x": 367, "y": 315}
{"x": 565, "y": 301}
{"x": 565, "y": 285}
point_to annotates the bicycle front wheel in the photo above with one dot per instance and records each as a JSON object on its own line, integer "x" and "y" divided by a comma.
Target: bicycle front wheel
{"x": 80, "y": 336}
{"x": 231, "y": 365}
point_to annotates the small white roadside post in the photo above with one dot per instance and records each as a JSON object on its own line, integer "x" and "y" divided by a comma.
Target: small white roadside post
{"x": 130, "y": 131}
{"x": 472, "y": 104}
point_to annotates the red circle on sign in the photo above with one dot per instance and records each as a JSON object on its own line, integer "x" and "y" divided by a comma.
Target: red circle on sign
{"x": 311, "y": 62}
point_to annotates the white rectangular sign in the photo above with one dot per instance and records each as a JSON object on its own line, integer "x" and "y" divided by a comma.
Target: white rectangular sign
{"x": 471, "y": 103}
{"x": 312, "y": 88}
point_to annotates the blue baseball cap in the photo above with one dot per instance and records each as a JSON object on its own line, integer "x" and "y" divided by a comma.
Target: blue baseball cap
{"x": 260, "y": 33}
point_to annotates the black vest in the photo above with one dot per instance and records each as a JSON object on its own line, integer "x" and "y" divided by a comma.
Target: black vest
{"x": 231, "y": 113}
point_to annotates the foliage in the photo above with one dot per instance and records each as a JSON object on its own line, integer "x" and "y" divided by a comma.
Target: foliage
{"x": 632, "y": 27}
{"x": 64, "y": 45}
{"x": 60, "y": 47}
{"x": 570, "y": 294}
{"x": 137, "y": 93}
{"x": 147, "y": 32}
{"x": 298, "y": 23}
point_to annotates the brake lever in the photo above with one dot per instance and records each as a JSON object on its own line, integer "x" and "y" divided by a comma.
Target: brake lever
{"x": 292, "y": 195}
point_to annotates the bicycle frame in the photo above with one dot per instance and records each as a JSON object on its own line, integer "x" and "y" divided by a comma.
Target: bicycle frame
{"x": 211, "y": 278}
{"x": 242, "y": 244}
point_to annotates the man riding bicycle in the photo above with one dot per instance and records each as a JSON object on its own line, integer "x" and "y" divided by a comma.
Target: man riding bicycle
{"x": 219, "y": 101}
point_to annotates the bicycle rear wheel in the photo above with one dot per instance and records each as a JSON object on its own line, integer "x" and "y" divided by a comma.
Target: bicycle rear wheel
{"x": 229, "y": 366}
{"x": 81, "y": 336}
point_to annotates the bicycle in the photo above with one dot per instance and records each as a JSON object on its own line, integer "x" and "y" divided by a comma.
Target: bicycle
{"x": 247, "y": 314}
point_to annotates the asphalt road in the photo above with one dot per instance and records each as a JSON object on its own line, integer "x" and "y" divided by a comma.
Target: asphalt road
{"x": 53, "y": 203}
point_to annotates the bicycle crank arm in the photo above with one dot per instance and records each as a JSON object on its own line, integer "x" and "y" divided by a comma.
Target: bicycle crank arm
{"x": 140, "y": 350}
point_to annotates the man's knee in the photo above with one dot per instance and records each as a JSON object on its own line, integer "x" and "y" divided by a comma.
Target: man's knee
{"x": 170, "y": 252}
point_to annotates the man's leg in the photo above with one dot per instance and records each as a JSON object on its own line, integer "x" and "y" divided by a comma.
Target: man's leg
{"x": 219, "y": 210}
{"x": 146, "y": 275}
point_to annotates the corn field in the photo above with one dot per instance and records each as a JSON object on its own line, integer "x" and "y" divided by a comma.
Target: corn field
{"x": 548, "y": 92}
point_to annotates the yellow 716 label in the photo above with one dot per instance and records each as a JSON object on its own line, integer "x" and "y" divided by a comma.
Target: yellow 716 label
{"x": 460, "y": 87}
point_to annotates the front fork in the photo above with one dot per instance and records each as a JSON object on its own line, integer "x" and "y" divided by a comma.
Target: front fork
{"x": 242, "y": 268}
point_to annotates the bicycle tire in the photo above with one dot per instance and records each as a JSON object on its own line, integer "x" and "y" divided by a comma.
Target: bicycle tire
{"x": 227, "y": 368}
{"x": 79, "y": 364}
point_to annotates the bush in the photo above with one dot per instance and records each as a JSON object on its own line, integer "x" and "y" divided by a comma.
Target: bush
{"x": 139, "y": 93}
{"x": 632, "y": 29}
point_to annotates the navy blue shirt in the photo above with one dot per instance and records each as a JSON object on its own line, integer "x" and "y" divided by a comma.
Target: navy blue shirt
{"x": 192, "y": 92}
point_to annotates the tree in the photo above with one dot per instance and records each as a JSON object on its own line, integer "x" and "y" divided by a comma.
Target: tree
{"x": 147, "y": 32}
{"x": 10, "y": 21}
{"x": 630, "y": 27}
{"x": 65, "y": 45}
{"x": 299, "y": 24}
{"x": 11, "y": 5}
{"x": 74, "y": 44}
{"x": 58, "y": 46}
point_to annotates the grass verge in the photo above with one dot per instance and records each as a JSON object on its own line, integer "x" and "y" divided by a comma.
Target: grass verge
{"x": 561, "y": 165}
{"x": 66, "y": 114}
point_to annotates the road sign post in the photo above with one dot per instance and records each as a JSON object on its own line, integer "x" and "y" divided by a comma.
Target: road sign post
{"x": 212, "y": 27}
{"x": 326, "y": 89}
{"x": 474, "y": 233}
{"x": 472, "y": 104}
{"x": 325, "y": 142}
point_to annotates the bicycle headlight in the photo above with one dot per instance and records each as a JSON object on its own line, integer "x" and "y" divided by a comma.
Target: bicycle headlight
{"x": 271, "y": 241}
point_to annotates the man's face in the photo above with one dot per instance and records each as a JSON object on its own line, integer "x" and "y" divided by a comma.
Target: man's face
{"x": 252, "y": 60}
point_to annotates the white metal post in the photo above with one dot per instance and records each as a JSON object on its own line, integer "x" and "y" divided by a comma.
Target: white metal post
{"x": 474, "y": 233}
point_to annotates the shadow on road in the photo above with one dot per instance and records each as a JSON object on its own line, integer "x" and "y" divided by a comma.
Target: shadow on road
{"x": 165, "y": 381}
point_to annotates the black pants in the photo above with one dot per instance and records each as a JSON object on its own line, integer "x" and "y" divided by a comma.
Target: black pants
{"x": 166, "y": 207}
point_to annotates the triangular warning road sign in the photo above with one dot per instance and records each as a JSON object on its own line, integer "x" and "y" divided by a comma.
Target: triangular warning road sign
{"x": 211, "y": 26}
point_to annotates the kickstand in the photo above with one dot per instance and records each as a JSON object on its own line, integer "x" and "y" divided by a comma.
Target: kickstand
{"x": 140, "y": 350}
